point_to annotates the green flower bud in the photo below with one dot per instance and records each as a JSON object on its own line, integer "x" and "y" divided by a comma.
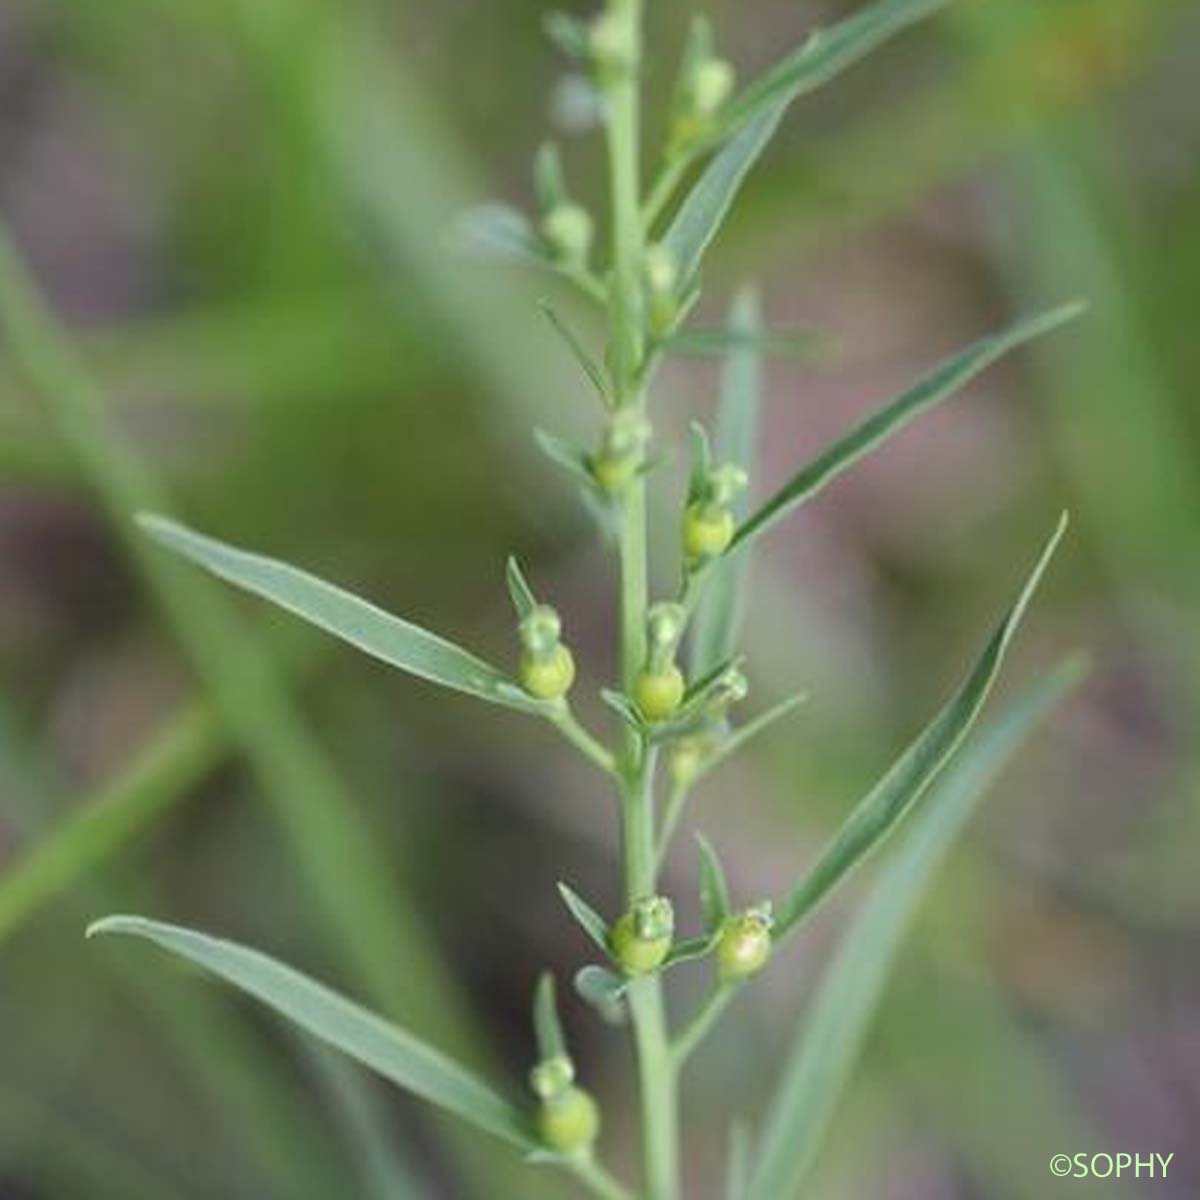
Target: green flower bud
{"x": 552, "y": 1077}
{"x": 622, "y": 450}
{"x": 550, "y": 677}
{"x": 662, "y": 272}
{"x": 744, "y": 945}
{"x": 612, "y": 43}
{"x": 569, "y": 1122}
{"x": 707, "y": 532}
{"x": 685, "y": 759}
{"x": 641, "y": 939}
{"x": 547, "y": 667}
{"x": 658, "y": 694}
{"x": 568, "y": 228}
{"x": 710, "y": 86}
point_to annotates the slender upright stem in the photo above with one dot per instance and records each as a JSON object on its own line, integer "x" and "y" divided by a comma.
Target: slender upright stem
{"x": 657, "y": 1080}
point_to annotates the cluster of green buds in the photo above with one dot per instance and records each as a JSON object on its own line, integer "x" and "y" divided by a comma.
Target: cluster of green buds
{"x": 640, "y": 939}
{"x": 744, "y": 944}
{"x": 705, "y": 83}
{"x": 568, "y": 1119}
{"x": 622, "y": 451}
{"x": 547, "y": 667}
{"x": 659, "y": 687}
{"x": 708, "y": 521}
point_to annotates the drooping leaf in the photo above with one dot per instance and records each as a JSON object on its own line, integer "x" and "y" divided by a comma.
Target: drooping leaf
{"x": 938, "y": 385}
{"x": 714, "y": 891}
{"x": 380, "y": 634}
{"x": 752, "y": 118}
{"x": 590, "y": 921}
{"x": 496, "y": 231}
{"x": 523, "y": 599}
{"x": 547, "y": 1027}
{"x": 911, "y": 774}
{"x": 827, "y": 1045}
{"x": 604, "y": 990}
{"x": 392, "y": 1052}
{"x": 718, "y": 617}
{"x": 587, "y": 364}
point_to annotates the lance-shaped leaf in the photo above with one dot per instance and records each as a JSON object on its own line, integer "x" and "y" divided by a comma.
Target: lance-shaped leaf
{"x": 392, "y": 1052}
{"x": 587, "y": 364}
{"x": 496, "y": 231}
{"x": 942, "y": 382}
{"x": 519, "y": 591}
{"x": 590, "y": 921}
{"x": 753, "y": 117}
{"x": 354, "y": 620}
{"x": 547, "y": 1027}
{"x": 911, "y": 774}
{"x": 744, "y": 733}
{"x": 714, "y": 891}
{"x": 718, "y": 617}
{"x": 827, "y": 1046}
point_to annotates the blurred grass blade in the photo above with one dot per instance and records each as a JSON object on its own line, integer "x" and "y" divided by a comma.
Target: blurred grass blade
{"x": 909, "y": 777}
{"x": 701, "y": 342}
{"x": 382, "y": 635}
{"x": 827, "y": 1046}
{"x": 590, "y": 921}
{"x": 366, "y": 1125}
{"x": 737, "y": 1177}
{"x": 547, "y": 1027}
{"x": 824, "y": 56}
{"x": 754, "y": 116}
{"x": 938, "y": 385}
{"x": 101, "y": 825}
{"x": 714, "y": 891}
{"x": 718, "y": 617}
{"x": 392, "y": 1052}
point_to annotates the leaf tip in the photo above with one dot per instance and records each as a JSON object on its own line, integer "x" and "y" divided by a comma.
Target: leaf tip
{"x": 111, "y": 924}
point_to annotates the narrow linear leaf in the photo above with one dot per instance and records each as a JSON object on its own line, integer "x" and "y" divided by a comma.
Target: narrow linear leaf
{"x": 689, "y": 949}
{"x": 571, "y": 458}
{"x": 714, "y": 891}
{"x": 743, "y": 734}
{"x": 825, "y": 55}
{"x": 703, "y": 342}
{"x": 938, "y": 385}
{"x": 590, "y": 921}
{"x": 718, "y": 617}
{"x": 909, "y": 777}
{"x": 701, "y": 460}
{"x": 753, "y": 118}
{"x": 827, "y": 1047}
{"x": 621, "y": 705}
{"x": 547, "y": 1027}
{"x": 587, "y": 364}
{"x": 523, "y": 599}
{"x": 549, "y": 182}
{"x": 390, "y": 1051}
{"x": 354, "y": 620}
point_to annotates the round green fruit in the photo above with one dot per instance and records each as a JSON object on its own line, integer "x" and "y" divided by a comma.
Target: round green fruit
{"x": 549, "y": 678}
{"x": 658, "y": 694}
{"x": 570, "y": 1122}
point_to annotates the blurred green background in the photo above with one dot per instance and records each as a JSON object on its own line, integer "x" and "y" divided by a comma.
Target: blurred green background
{"x": 238, "y": 207}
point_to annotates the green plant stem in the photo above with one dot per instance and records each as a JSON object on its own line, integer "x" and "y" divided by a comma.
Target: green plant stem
{"x": 676, "y": 802}
{"x": 584, "y": 742}
{"x": 656, "y": 1079}
{"x": 598, "y": 1181}
{"x": 698, "y": 1027}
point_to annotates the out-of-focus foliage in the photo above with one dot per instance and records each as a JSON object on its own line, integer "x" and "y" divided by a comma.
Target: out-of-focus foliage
{"x": 240, "y": 209}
